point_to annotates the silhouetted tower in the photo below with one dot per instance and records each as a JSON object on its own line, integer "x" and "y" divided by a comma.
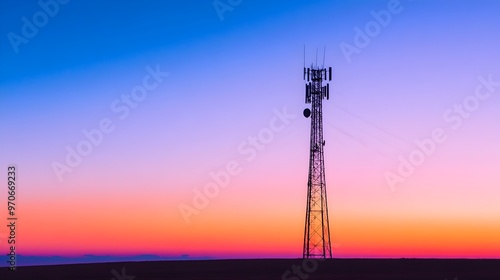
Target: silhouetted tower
{"x": 317, "y": 229}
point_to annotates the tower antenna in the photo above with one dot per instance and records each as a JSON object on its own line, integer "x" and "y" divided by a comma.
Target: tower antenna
{"x": 324, "y": 54}
{"x": 316, "y": 57}
{"x": 304, "y": 55}
{"x": 317, "y": 242}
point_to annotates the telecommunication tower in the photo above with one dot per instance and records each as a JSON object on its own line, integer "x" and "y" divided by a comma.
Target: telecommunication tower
{"x": 317, "y": 229}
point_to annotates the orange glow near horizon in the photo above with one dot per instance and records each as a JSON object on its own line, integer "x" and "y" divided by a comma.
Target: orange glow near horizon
{"x": 122, "y": 230}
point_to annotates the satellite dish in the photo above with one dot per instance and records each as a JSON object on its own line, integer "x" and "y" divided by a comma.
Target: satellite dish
{"x": 307, "y": 112}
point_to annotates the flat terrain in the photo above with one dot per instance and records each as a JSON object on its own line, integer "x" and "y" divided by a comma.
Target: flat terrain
{"x": 359, "y": 269}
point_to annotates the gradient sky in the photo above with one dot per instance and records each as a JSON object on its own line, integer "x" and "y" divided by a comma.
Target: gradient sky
{"x": 227, "y": 77}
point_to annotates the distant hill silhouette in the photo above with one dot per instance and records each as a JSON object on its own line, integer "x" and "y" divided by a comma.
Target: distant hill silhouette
{"x": 23, "y": 260}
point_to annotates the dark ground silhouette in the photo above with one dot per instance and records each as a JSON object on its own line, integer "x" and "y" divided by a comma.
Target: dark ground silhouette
{"x": 359, "y": 269}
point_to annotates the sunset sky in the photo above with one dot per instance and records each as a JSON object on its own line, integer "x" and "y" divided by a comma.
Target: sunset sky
{"x": 179, "y": 96}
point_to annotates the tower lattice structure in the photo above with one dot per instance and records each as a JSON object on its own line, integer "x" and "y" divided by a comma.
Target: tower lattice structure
{"x": 317, "y": 229}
